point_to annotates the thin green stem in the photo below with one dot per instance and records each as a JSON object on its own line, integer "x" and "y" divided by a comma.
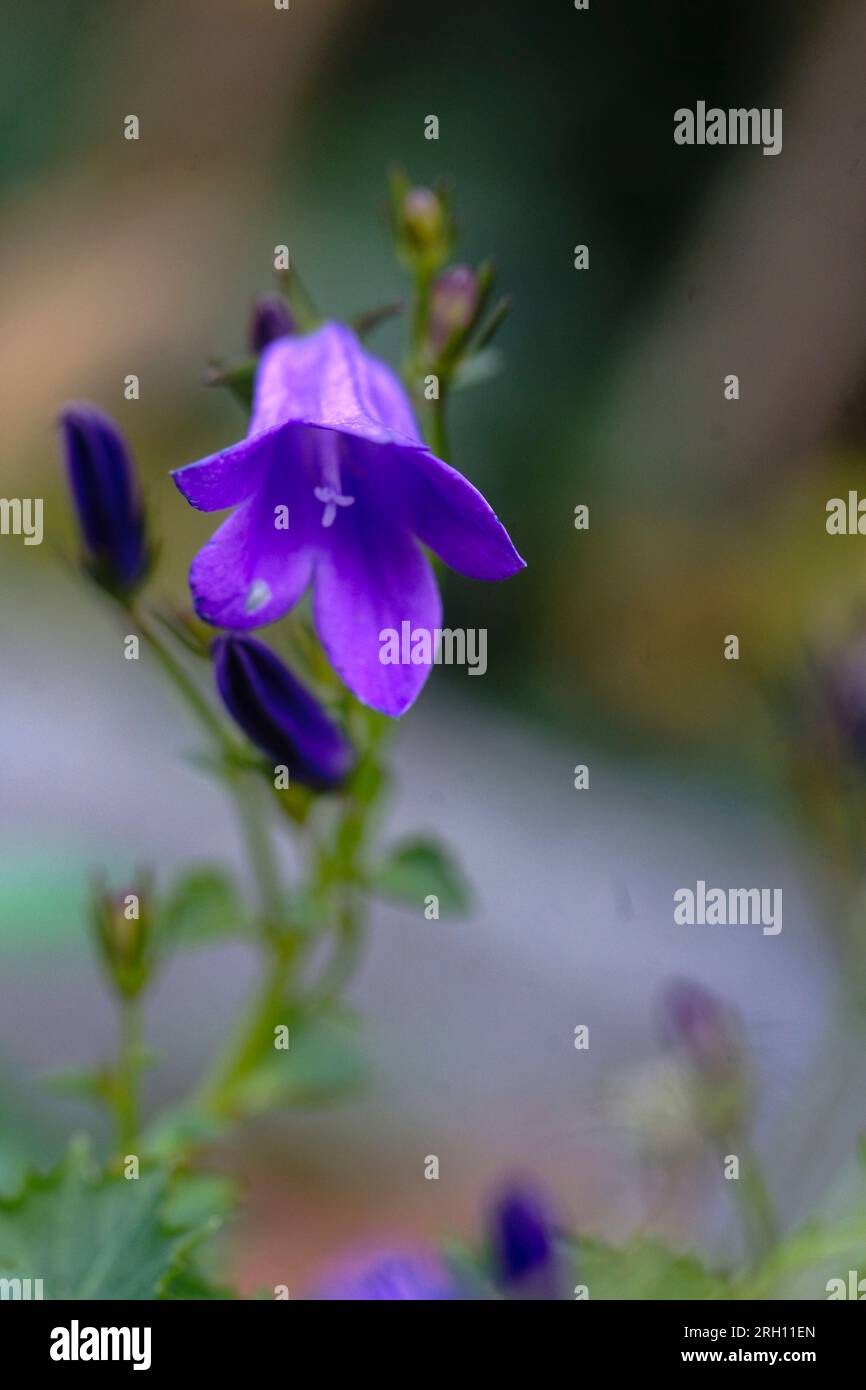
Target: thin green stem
{"x": 247, "y": 793}
{"x": 187, "y": 687}
{"x": 251, "y": 1036}
{"x": 437, "y": 433}
{"x": 756, "y": 1208}
{"x": 128, "y": 1067}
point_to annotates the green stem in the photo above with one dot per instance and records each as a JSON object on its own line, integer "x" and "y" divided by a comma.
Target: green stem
{"x": 437, "y": 433}
{"x": 246, "y": 1044}
{"x": 251, "y": 1035}
{"x": 756, "y": 1208}
{"x": 247, "y": 796}
{"x": 187, "y": 687}
{"x": 129, "y": 1059}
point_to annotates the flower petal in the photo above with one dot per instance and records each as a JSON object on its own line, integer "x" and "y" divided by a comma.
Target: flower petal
{"x": 228, "y": 478}
{"x": 327, "y": 379}
{"x": 251, "y": 571}
{"x": 371, "y": 578}
{"x": 447, "y": 513}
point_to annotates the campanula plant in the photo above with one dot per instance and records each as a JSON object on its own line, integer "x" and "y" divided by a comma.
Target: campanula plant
{"x": 339, "y": 497}
{"x": 338, "y": 501}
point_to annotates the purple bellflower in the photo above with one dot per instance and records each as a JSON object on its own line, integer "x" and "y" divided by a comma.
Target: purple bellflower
{"x": 106, "y": 496}
{"x": 334, "y": 486}
{"x": 277, "y": 714}
{"x": 394, "y": 1277}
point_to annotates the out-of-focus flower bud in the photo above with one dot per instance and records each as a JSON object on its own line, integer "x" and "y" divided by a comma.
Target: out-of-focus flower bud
{"x": 708, "y": 1035}
{"x": 423, "y": 216}
{"x": 124, "y": 931}
{"x": 277, "y": 714}
{"x": 107, "y": 498}
{"x": 522, "y": 1234}
{"x": 453, "y": 305}
{"x": 271, "y": 318}
{"x": 423, "y": 225}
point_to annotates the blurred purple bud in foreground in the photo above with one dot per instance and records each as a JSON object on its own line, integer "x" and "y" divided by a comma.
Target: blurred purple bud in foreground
{"x": 393, "y": 1277}
{"x": 523, "y": 1241}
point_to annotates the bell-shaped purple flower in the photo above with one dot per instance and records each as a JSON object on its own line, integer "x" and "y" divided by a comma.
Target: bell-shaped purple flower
{"x": 270, "y": 319}
{"x": 277, "y": 714}
{"x": 106, "y": 496}
{"x": 526, "y": 1264}
{"x": 334, "y": 486}
{"x": 395, "y": 1277}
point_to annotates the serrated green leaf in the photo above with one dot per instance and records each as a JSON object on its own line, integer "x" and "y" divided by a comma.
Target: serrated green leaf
{"x": 202, "y": 906}
{"x": 198, "y": 1201}
{"x": 91, "y": 1236}
{"x": 179, "y": 1130}
{"x": 415, "y": 869}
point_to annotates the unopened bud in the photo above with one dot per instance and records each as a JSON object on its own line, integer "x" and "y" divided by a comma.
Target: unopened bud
{"x": 453, "y": 305}
{"x": 124, "y": 931}
{"x": 271, "y": 319}
{"x": 707, "y": 1033}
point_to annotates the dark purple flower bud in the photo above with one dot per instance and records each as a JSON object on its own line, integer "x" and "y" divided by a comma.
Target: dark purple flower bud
{"x": 107, "y": 498}
{"x": 270, "y": 319}
{"x": 277, "y": 714}
{"x": 399, "y": 1277}
{"x": 453, "y": 305}
{"x": 523, "y": 1240}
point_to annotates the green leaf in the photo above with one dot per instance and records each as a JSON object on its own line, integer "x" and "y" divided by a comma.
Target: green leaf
{"x": 202, "y": 906}
{"x": 477, "y": 368}
{"x": 91, "y": 1236}
{"x": 644, "y": 1269}
{"x": 415, "y": 869}
{"x": 322, "y": 1063}
{"x": 179, "y": 1130}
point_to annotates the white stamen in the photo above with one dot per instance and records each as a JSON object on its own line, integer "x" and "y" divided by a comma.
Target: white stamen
{"x": 329, "y": 495}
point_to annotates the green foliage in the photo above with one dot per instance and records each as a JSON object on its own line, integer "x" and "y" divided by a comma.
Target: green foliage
{"x": 644, "y": 1268}
{"x": 202, "y": 906}
{"x": 322, "y": 1063}
{"x": 416, "y": 868}
{"x": 88, "y": 1235}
